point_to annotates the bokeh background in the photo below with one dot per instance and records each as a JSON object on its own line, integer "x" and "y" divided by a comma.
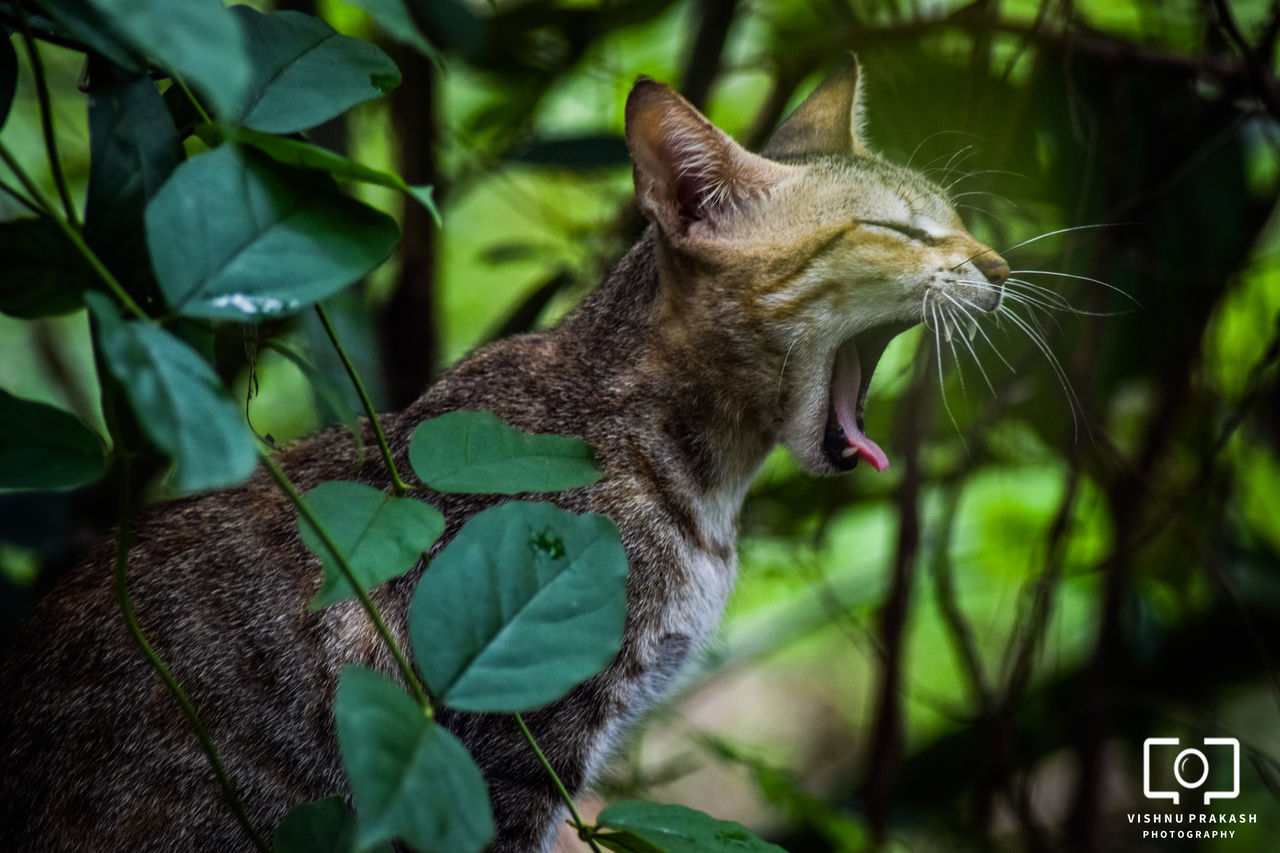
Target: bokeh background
{"x": 1077, "y": 546}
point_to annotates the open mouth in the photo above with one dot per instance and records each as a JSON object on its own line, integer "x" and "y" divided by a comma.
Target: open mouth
{"x": 845, "y": 440}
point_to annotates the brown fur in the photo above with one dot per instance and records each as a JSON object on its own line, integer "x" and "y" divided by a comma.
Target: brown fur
{"x": 711, "y": 341}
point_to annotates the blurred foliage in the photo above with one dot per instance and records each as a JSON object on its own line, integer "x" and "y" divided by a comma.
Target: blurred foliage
{"x": 968, "y": 651}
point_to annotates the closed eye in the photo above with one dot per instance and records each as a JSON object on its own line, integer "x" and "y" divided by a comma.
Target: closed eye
{"x": 908, "y": 231}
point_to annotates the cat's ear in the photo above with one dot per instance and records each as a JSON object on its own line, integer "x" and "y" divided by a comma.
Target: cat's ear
{"x": 687, "y": 170}
{"x": 829, "y": 121}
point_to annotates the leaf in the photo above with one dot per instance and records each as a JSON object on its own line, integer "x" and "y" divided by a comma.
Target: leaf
{"x": 43, "y": 275}
{"x": 92, "y": 27}
{"x": 525, "y": 602}
{"x": 178, "y": 399}
{"x": 43, "y": 448}
{"x": 294, "y": 152}
{"x": 232, "y": 237}
{"x": 396, "y": 22}
{"x": 674, "y": 829}
{"x": 478, "y": 452}
{"x": 323, "y": 826}
{"x": 305, "y": 73}
{"x": 8, "y": 74}
{"x": 197, "y": 39}
{"x": 410, "y": 778}
{"x": 381, "y": 536}
{"x": 134, "y": 147}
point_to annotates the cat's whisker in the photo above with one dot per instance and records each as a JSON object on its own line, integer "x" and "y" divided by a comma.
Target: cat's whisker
{"x": 1055, "y": 233}
{"x": 978, "y": 172}
{"x": 942, "y": 382}
{"x": 969, "y": 344}
{"x": 930, "y": 138}
{"x": 1037, "y": 339}
{"x": 1098, "y": 281}
{"x": 783, "y": 372}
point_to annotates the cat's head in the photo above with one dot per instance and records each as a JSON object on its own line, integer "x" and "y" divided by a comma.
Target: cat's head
{"x": 817, "y": 251}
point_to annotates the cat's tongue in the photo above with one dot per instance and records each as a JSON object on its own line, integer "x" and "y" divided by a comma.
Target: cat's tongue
{"x": 846, "y": 387}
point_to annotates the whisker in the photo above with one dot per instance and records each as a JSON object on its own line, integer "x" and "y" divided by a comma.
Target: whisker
{"x": 968, "y": 345}
{"x": 1107, "y": 285}
{"x": 942, "y": 384}
{"x": 1038, "y": 340}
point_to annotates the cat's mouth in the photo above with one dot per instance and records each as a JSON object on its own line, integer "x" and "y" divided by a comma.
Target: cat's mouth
{"x": 845, "y": 441}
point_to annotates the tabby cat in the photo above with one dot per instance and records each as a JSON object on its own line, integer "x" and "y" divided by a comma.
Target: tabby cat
{"x": 752, "y": 311}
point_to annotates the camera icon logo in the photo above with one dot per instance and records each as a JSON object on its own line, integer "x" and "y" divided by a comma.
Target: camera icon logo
{"x": 1190, "y": 768}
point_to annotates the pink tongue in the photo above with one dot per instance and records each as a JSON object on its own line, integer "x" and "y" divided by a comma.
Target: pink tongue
{"x": 844, "y": 397}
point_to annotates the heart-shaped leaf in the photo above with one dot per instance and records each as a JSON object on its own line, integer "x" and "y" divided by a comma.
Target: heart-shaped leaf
{"x": 525, "y": 602}
{"x": 197, "y": 39}
{"x": 305, "y": 73}
{"x": 42, "y": 275}
{"x": 661, "y": 828}
{"x": 43, "y": 448}
{"x": 381, "y": 536}
{"x": 479, "y": 452}
{"x": 323, "y": 826}
{"x": 234, "y": 237}
{"x": 178, "y": 399}
{"x": 411, "y": 779}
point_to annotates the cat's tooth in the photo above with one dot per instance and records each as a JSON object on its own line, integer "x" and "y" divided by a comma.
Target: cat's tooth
{"x": 973, "y": 329}
{"x": 847, "y": 452}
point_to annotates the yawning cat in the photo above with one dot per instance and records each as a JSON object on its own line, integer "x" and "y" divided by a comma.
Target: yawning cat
{"x": 752, "y": 312}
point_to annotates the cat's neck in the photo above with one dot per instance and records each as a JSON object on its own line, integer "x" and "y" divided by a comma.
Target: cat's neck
{"x": 694, "y": 375}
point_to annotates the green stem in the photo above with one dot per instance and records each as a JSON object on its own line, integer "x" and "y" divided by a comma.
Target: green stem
{"x": 411, "y": 678}
{"x": 195, "y": 102}
{"x": 584, "y": 831}
{"x": 398, "y": 486}
{"x": 46, "y": 115}
{"x": 73, "y": 234}
{"x": 184, "y": 701}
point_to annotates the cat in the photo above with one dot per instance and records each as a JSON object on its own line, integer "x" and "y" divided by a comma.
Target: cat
{"x": 751, "y": 312}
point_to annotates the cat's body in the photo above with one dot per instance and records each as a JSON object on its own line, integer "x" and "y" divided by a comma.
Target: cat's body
{"x": 729, "y": 327}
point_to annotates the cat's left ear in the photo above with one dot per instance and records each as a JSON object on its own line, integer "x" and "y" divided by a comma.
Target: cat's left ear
{"x": 687, "y": 170}
{"x": 829, "y": 121}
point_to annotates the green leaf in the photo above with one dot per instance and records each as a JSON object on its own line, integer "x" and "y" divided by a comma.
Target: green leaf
{"x": 93, "y": 27}
{"x": 381, "y": 536}
{"x": 411, "y": 779}
{"x": 323, "y": 826}
{"x": 525, "y": 602}
{"x": 295, "y": 152}
{"x": 43, "y": 275}
{"x": 233, "y": 237}
{"x": 396, "y": 22}
{"x": 178, "y": 399}
{"x": 674, "y": 829}
{"x": 8, "y": 74}
{"x": 43, "y": 448}
{"x": 134, "y": 147}
{"x": 478, "y": 452}
{"x": 305, "y": 73}
{"x": 197, "y": 39}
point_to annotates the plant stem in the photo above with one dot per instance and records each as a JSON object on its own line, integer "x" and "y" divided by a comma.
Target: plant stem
{"x": 182, "y": 84}
{"x": 397, "y": 485}
{"x": 188, "y": 708}
{"x": 46, "y": 115}
{"x": 584, "y": 831}
{"x": 411, "y": 678}
{"x": 72, "y": 233}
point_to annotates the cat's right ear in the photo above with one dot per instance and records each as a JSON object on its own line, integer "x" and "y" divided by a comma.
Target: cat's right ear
{"x": 689, "y": 174}
{"x": 829, "y": 121}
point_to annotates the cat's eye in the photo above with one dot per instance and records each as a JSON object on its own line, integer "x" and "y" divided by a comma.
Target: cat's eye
{"x": 908, "y": 231}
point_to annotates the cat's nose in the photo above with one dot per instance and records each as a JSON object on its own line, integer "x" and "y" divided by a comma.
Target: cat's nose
{"x": 993, "y": 267}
